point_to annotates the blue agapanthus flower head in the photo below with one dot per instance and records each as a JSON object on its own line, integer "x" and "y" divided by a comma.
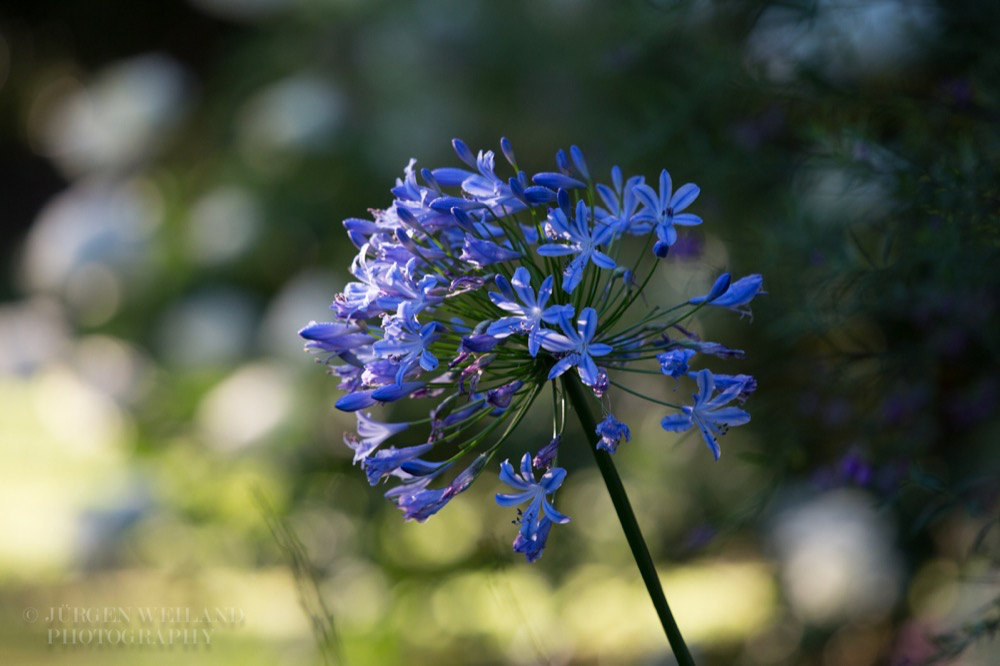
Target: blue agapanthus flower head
{"x": 473, "y": 290}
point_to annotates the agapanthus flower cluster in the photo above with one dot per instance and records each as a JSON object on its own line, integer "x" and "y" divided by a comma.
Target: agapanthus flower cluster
{"x": 473, "y": 293}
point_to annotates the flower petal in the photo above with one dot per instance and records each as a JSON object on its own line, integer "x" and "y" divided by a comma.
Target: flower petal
{"x": 555, "y": 342}
{"x": 587, "y": 370}
{"x": 687, "y": 220}
{"x": 586, "y": 324}
{"x": 352, "y": 402}
{"x": 647, "y": 196}
{"x": 684, "y": 197}
{"x": 563, "y": 365}
{"x": 513, "y": 499}
{"x": 393, "y": 392}
{"x": 599, "y": 349}
{"x": 553, "y": 515}
{"x": 556, "y": 250}
{"x": 508, "y": 476}
{"x": 557, "y": 181}
{"x": 730, "y": 416}
{"x": 521, "y": 283}
{"x": 676, "y": 422}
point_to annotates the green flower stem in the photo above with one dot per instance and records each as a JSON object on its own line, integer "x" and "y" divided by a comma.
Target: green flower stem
{"x": 577, "y": 397}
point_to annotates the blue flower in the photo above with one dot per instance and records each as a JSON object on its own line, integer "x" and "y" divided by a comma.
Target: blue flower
{"x": 358, "y": 300}
{"x": 484, "y": 187}
{"x": 419, "y": 502}
{"x": 355, "y": 400}
{"x": 583, "y": 242}
{"x": 557, "y": 181}
{"x": 664, "y": 211}
{"x": 407, "y": 346}
{"x": 477, "y": 344}
{"x": 611, "y": 431}
{"x": 502, "y": 395}
{"x": 746, "y": 383}
{"x": 370, "y": 435}
{"x": 579, "y": 162}
{"x": 384, "y": 462}
{"x": 480, "y": 252}
{"x": 674, "y": 363}
{"x": 620, "y": 203}
{"x": 737, "y": 295}
{"x": 334, "y": 337}
{"x": 546, "y": 454}
{"x": 578, "y": 342}
{"x": 721, "y": 351}
{"x": 709, "y": 413}
{"x": 719, "y": 288}
{"x": 537, "y": 519}
{"x": 394, "y": 392}
{"x": 527, "y": 318}
{"x": 418, "y": 323}
{"x": 601, "y": 383}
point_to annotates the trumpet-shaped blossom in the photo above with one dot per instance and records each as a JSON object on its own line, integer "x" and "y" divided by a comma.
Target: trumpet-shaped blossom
{"x": 386, "y": 461}
{"x": 621, "y": 202}
{"x": 663, "y": 210}
{"x": 421, "y": 322}
{"x": 334, "y": 337}
{"x": 737, "y": 296}
{"x": 674, "y": 363}
{"x": 611, "y": 431}
{"x": 528, "y": 315}
{"x": 540, "y": 514}
{"x": 480, "y": 252}
{"x": 407, "y": 346}
{"x": 578, "y": 345}
{"x": 370, "y": 435}
{"x": 710, "y": 411}
{"x": 420, "y": 503}
{"x": 747, "y": 384}
{"x": 547, "y": 453}
{"x": 584, "y": 240}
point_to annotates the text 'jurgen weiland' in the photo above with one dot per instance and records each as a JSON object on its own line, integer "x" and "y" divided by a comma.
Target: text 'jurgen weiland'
{"x": 217, "y": 616}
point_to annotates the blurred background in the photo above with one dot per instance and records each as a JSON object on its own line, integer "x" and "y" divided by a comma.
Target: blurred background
{"x": 172, "y": 181}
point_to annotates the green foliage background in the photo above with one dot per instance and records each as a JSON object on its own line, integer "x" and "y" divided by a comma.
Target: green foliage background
{"x": 174, "y": 181}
